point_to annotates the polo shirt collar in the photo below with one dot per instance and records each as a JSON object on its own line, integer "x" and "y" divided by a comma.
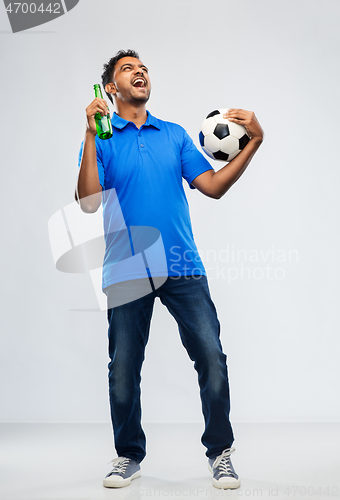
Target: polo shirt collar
{"x": 119, "y": 122}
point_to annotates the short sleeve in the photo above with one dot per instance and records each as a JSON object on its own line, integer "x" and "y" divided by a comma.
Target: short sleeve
{"x": 193, "y": 161}
{"x": 101, "y": 171}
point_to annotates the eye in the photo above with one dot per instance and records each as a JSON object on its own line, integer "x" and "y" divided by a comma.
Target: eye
{"x": 145, "y": 69}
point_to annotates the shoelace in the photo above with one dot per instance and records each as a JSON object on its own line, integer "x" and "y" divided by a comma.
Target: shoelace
{"x": 119, "y": 464}
{"x": 224, "y": 464}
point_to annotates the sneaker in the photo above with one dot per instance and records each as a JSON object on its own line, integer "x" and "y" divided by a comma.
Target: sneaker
{"x": 124, "y": 470}
{"x": 224, "y": 475}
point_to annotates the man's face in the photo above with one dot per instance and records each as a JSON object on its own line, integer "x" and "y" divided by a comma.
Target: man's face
{"x": 131, "y": 80}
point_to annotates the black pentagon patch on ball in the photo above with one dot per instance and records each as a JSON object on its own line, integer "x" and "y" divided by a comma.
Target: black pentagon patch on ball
{"x": 244, "y": 141}
{"x": 213, "y": 113}
{"x": 221, "y": 156}
{"x": 201, "y": 138}
{"x": 221, "y": 130}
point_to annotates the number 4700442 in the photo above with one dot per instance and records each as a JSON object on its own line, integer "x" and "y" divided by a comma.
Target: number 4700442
{"x": 32, "y": 8}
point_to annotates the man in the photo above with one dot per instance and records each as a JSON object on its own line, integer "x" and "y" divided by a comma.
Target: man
{"x": 144, "y": 163}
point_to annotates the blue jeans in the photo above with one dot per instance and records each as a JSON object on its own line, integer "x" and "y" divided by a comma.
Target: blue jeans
{"x": 188, "y": 300}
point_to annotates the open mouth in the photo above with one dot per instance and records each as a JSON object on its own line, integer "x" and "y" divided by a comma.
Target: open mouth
{"x": 139, "y": 82}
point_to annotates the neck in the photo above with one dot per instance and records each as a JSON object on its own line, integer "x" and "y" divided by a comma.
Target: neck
{"x": 132, "y": 113}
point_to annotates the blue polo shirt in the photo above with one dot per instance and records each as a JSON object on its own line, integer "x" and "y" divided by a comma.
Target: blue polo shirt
{"x": 143, "y": 170}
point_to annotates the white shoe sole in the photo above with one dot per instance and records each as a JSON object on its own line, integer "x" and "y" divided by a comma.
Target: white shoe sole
{"x": 225, "y": 484}
{"x": 110, "y": 482}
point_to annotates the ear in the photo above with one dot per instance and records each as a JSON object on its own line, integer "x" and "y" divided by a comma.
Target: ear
{"x": 110, "y": 88}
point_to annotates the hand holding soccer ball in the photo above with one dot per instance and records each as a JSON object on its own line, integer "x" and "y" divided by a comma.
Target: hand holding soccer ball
{"x": 225, "y": 132}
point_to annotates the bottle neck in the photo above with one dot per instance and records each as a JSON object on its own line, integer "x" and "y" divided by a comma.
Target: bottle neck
{"x": 98, "y": 91}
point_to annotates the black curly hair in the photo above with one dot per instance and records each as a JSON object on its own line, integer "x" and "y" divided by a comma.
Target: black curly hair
{"x": 110, "y": 66}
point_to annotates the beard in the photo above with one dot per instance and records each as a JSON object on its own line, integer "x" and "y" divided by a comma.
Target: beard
{"x": 141, "y": 98}
{"x": 136, "y": 97}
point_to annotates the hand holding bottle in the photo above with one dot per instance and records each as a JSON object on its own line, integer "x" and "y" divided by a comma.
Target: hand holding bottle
{"x": 100, "y": 106}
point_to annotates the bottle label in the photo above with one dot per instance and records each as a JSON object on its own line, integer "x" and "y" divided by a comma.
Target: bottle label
{"x": 105, "y": 124}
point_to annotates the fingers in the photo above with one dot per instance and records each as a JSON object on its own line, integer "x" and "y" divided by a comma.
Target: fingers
{"x": 240, "y": 116}
{"x": 97, "y": 106}
{"x": 101, "y": 106}
{"x": 248, "y": 120}
{"x": 236, "y": 120}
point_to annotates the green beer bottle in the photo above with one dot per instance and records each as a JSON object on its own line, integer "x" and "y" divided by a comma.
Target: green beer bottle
{"x": 103, "y": 123}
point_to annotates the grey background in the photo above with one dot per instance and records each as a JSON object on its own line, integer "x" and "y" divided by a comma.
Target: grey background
{"x": 279, "y": 59}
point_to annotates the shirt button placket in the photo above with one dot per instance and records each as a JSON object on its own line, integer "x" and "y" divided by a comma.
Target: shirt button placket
{"x": 142, "y": 148}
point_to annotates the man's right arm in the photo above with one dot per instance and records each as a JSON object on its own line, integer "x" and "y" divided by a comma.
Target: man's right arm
{"x": 89, "y": 190}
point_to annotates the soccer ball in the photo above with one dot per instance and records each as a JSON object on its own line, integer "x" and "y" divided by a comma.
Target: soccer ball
{"x": 221, "y": 139}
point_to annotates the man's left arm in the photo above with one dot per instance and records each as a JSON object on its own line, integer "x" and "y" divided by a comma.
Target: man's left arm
{"x": 216, "y": 184}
